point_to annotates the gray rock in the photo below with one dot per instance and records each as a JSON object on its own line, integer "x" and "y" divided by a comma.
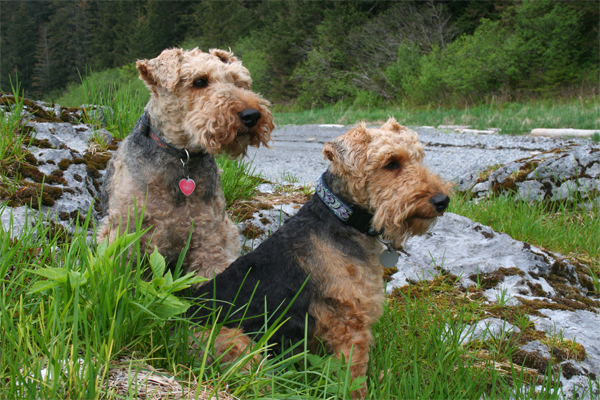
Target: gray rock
{"x": 461, "y": 247}
{"x": 80, "y": 187}
{"x": 481, "y": 187}
{"x": 503, "y": 173}
{"x": 487, "y": 329}
{"x": 76, "y": 137}
{"x": 582, "y": 327}
{"x": 553, "y": 175}
{"x": 593, "y": 170}
{"x": 537, "y": 347}
{"x": 530, "y": 191}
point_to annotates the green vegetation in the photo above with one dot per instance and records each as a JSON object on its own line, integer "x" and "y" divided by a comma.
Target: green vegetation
{"x": 73, "y": 310}
{"x": 314, "y": 54}
{"x": 72, "y": 313}
{"x": 238, "y": 179}
{"x": 116, "y": 89}
{"x": 511, "y": 118}
{"x": 13, "y": 140}
{"x": 125, "y": 93}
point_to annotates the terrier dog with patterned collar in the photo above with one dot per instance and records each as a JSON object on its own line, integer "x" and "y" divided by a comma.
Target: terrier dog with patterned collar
{"x": 200, "y": 105}
{"x": 329, "y": 255}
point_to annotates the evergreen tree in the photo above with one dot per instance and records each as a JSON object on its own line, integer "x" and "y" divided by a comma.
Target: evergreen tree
{"x": 18, "y": 37}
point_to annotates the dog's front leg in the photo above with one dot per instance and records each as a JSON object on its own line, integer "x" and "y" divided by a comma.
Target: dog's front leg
{"x": 351, "y": 338}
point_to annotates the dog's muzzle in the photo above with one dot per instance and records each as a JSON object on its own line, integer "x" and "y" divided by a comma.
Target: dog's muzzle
{"x": 249, "y": 117}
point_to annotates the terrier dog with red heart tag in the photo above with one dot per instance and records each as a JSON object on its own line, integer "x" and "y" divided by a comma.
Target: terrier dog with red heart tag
{"x": 200, "y": 105}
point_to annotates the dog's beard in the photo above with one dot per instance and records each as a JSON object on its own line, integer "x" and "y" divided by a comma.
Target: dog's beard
{"x": 225, "y": 133}
{"x": 399, "y": 225}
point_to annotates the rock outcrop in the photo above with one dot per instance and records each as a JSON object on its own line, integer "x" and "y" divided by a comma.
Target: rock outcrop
{"x": 60, "y": 177}
{"x": 556, "y": 175}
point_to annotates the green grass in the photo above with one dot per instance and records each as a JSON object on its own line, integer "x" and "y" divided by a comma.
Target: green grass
{"x": 239, "y": 179}
{"x": 75, "y": 309}
{"x": 13, "y": 139}
{"x": 115, "y": 88}
{"x": 66, "y": 300}
{"x": 511, "y": 118}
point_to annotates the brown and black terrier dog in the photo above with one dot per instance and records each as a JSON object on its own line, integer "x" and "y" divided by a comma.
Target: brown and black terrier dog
{"x": 200, "y": 105}
{"x": 328, "y": 254}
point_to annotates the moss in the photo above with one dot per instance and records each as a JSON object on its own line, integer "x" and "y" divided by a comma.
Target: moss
{"x": 560, "y": 268}
{"x": 97, "y": 206}
{"x": 265, "y": 221}
{"x": 33, "y": 194}
{"x": 64, "y": 216}
{"x": 30, "y": 158}
{"x": 99, "y": 160}
{"x": 531, "y": 359}
{"x": 58, "y": 232}
{"x": 564, "y": 349}
{"x": 584, "y": 278}
{"x": 92, "y": 171}
{"x": 487, "y": 235}
{"x": 525, "y": 170}
{"x": 485, "y": 174}
{"x": 27, "y": 171}
{"x": 568, "y": 370}
{"x": 388, "y": 272}
{"x": 64, "y": 164}
{"x": 77, "y": 177}
{"x": 71, "y": 114}
{"x": 41, "y": 143}
{"x": 492, "y": 279}
{"x": 536, "y": 289}
{"x": 243, "y": 210}
{"x": 252, "y": 231}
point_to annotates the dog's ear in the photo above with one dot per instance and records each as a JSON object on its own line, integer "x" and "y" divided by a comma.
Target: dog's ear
{"x": 226, "y": 57}
{"x": 392, "y": 125}
{"x": 162, "y": 70}
{"x": 348, "y": 152}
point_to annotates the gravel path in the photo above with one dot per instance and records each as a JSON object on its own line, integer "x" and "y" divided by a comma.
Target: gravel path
{"x": 296, "y": 150}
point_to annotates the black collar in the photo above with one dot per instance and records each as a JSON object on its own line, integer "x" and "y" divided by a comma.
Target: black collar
{"x": 182, "y": 154}
{"x": 348, "y": 213}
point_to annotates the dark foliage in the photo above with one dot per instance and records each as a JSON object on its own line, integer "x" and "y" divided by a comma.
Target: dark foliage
{"x": 313, "y": 53}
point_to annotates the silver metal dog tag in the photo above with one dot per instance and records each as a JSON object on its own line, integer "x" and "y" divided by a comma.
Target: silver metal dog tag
{"x": 388, "y": 258}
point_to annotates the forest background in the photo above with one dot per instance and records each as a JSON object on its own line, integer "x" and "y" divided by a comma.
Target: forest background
{"x": 307, "y": 54}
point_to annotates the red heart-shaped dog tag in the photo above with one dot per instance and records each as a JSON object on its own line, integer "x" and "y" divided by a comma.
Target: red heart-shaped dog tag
{"x": 187, "y": 186}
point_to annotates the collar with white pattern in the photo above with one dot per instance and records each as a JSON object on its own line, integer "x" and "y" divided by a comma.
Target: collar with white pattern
{"x": 348, "y": 214}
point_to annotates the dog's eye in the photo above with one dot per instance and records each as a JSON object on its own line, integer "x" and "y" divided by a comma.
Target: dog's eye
{"x": 200, "y": 83}
{"x": 392, "y": 165}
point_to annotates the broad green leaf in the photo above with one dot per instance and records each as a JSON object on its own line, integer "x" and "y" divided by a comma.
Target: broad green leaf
{"x": 56, "y": 274}
{"x": 77, "y": 278}
{"x": 158, "y": 282}
{"x": 157, "y": 263}
{"x": 40, "y": 286}
{"x": 168, "y": 280}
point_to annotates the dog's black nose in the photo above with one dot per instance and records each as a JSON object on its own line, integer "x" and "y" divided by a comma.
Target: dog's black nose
{"x": 249, "y": 117}
{"x": 440, "y": 202}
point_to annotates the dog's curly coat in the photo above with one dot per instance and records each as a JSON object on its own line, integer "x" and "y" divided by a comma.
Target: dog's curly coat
{"x": 200, "y": 103}
{"x": 378, "y": 171}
